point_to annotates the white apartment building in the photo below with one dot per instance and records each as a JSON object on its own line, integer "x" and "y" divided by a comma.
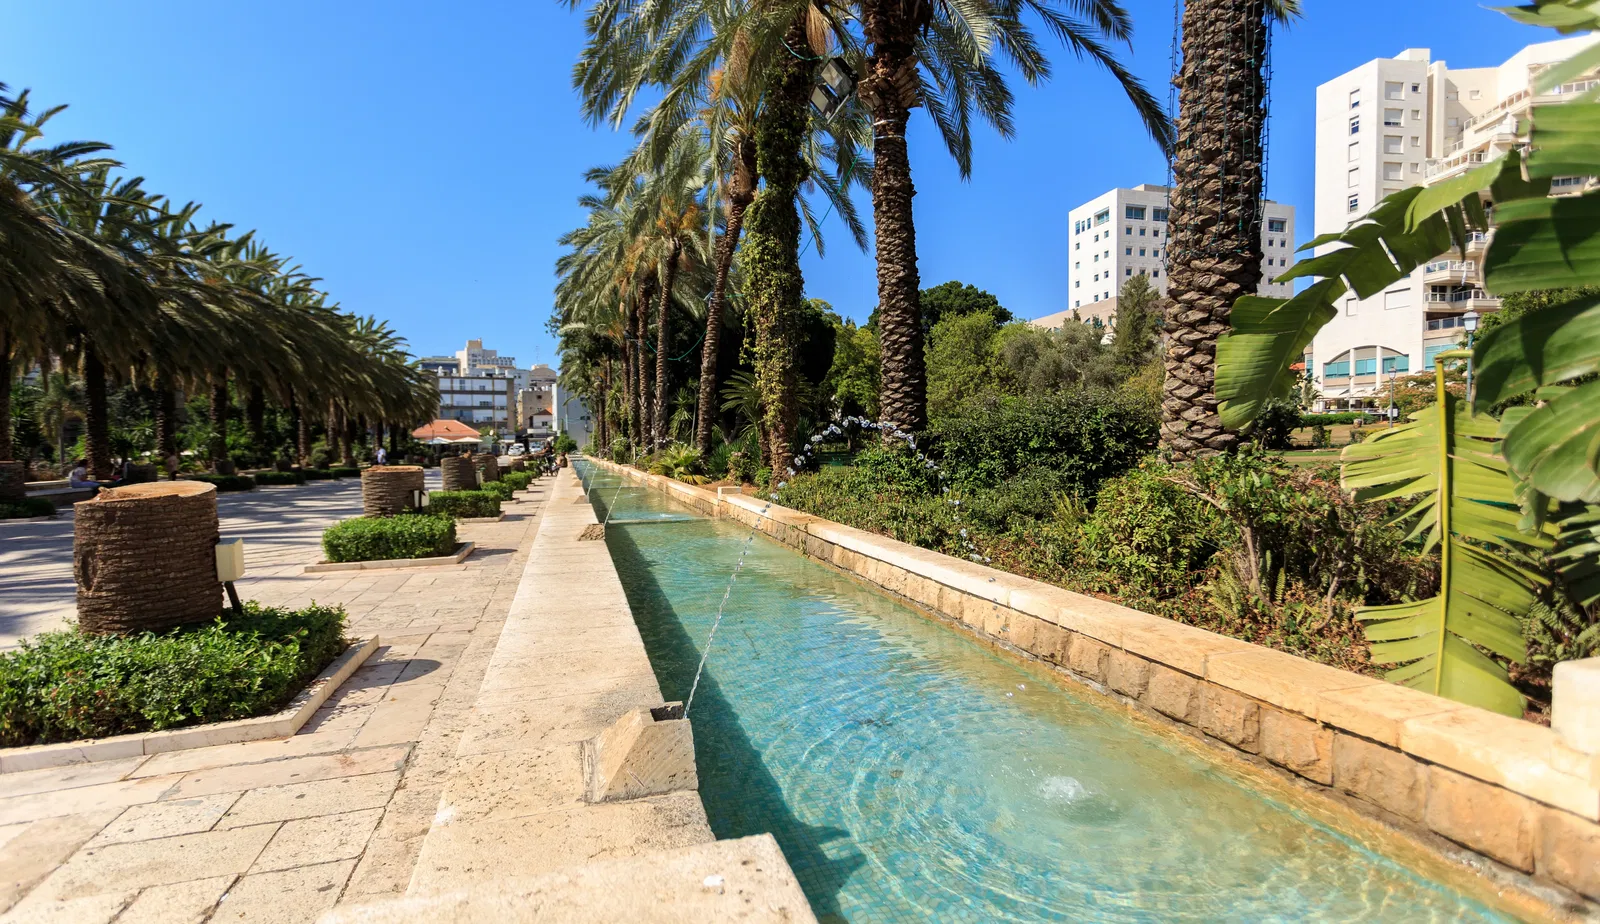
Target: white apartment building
{"x": 1398, "y": 122}
{"x": 480, "y": 387}
{"x": 1122, "y": 233}
{"x": 535, "y": 403}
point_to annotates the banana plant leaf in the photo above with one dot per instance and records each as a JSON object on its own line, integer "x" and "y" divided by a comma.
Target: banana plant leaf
{"x": 1465, "y": 507}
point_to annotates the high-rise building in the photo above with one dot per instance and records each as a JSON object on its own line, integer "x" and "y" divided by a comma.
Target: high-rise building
{"x": 1122, "y": 233}
{"x": 1398, "y": 122}
{"x": 482, "y": 388}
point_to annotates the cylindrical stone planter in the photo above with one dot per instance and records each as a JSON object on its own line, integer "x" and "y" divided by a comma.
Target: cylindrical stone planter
{"x": 519, "y": 464}
{"x": 458, "y": 473}
{"x": 144, "y": 557}
{"x": 488, "y": 466}
{"x": 388, "y": 489}
{"x": 13, "y": 481}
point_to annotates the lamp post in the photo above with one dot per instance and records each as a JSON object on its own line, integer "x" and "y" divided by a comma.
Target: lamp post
{"x": 1470, "y": 322}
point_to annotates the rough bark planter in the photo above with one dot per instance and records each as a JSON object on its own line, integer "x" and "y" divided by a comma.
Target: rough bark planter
{"x": 144, "y": 557}
{"x": 488, "y": 466}
{"x": 281, "y": 724}
{"x": 387, "y": 490}
{"x": 454, "y": 558}
{"x": 458, "y": 473}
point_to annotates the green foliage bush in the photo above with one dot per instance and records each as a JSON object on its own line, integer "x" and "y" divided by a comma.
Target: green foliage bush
{"x": 227, "y": 482}
{"x": 26, "y": 507}
{"x": 680, "y": 462}
{"x": 279, "y": 478}
{"x": 500, "y": 489}
{"x": 464, "y": 503}
{"x": 518, "y": 481}
{"x": 65, "y": 685}
{"x": 387, "y": 538}
{"x": 345, "y": 471}
{"x": 1087, "y": 435}
{"x": 1328, "y": 420}
{"x": 565, "y": 443}
{"x": 316, "y": 474}
{"x": 1149, "y": 534}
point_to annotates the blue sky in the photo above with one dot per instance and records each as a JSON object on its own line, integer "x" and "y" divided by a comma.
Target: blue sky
{"x": 422, "y": 158}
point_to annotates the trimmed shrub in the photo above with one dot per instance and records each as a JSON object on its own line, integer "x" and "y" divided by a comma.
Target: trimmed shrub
{"x": 500, "y": 489}
{"x": 279, "y": 478}
{"x": 1088, "y": 436}
{"x": 1148, "y": 534}
{"x": 65, "y": 685}
{"x": 464, "y": 503}
{"x": 345, "y": 471}
{"x": 316, "y": 474}
{"x": 26, "y": 507}
{"x": 387, "y": 538}
{"x": 518, "y": 481}
{"x": 226, "y": 482}
{"x": 1328, "y": 420}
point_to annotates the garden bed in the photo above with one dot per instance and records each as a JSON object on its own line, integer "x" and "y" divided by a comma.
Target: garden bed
{"x": 67, "y": 686}
{"x": 462, "y": 550}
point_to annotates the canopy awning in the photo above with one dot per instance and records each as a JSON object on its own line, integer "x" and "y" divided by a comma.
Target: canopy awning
{"x": 442, "y": 432}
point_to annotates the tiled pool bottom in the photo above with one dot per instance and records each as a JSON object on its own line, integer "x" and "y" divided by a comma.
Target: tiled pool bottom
{"x": 909, "y": 774}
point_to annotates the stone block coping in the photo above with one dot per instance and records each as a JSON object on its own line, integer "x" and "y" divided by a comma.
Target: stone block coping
{"x": 1352, "y": 737}
{"x": 744, "y": 879}
{"x": 454, "y": 558}
{"x": 280, "y": 724}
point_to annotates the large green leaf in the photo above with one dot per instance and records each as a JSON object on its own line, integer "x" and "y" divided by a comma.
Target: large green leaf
{"x": 1267, "y": 335}
{"x": 1541, "y": 348}
{"x": 1577, "y": 555}
{"x": 1544, "y": 243}
{"x": 1568, "y": 140}
{"x": 1466, "y": 507}
{"x": 1556, "y": 445}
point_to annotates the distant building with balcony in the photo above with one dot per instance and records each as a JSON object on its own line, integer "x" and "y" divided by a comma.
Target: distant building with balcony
{"x": 1406, "y": 121}
{"x": 480, "y": 400}
{"x": 535, "y": 403}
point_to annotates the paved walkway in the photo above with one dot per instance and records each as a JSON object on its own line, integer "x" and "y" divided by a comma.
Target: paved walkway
{"x": 271, "y": 830}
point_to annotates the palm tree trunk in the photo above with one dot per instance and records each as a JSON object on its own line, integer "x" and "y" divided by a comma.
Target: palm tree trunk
{"x": 296, "y": 425}
{"x": 630, "y": 380}
{"x": 6, "y": 449}
{"x": 219, "y": 424}
{"x": 352, "y": 432}
{"x": 96, "y": 417}
{"x": 891, "y": 64}
{"x": 772, "y": 249}
{"x": 302, "y": 431}
{"x": 658, "y": 425}
{"x": 255, "y": 415}
{"x": 166, "y": 417}
{"x": 1214, "y": 229}
{"x": 641, "y": 332}
{"x": 600, "y": 403}
{"x": 742, "y": 191}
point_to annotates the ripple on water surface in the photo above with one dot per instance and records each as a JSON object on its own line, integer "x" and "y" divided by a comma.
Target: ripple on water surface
{"x": 911, "y": 775}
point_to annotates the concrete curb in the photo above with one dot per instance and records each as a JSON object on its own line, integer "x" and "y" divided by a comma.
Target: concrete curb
{"x": 281, "y": 724}
{"x": 455, "y": 558}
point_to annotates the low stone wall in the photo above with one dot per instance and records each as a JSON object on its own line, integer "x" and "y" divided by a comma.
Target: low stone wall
{"x": 1507, "y": 790}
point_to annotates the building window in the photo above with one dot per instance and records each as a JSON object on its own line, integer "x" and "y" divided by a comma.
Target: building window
{"x": 1277, "y": 224}
{"x": 1392, "y": 144}
{"x": 1078, "y": 245}
{"x": 1155, "y": 232}
{"x": 1416, "y": 167}
{"x": 1158, "y": 214}
{"x": 1394, "y": 89}
{"x": 1367, "y": 366}
{"x": 1428, "y": 353}
{"x": 1396, "y": 364}
{"x": 1141, "y": 251}
{"x": 1355, "y": 98}
{"x": 1076, "y": 303}
{"x": 1097, "y": 298}
{"x": 1474, "y": 94}
{"x": 1454, "y": 123}
{"x": 1355, "y": 125}
{"x": 1355, "y": 151}
{"x": 1353, "y": 177}
{"x": 1416, "y": 88}
{"x": 1127, "y": 229}
{"x": 1155, "y": 272}
{"x": 1416, "y": 141}
{"x": 1354, "y": 204}
{"x": 1141, "y": 232}
{"x": 1095, "y": 259}
{"x": 1102, "y": 216}
{"x": 1416, "y": 114}
{"x": 1561, "y": 181}
{"x": 1339, "y": 370}
{"x": 1128, "y": 271}
{"x": 1128, "y": 251}
{"x": 1392, "y": 118}
{"x": 1075, "y": 284}
{"x": 1096, "y": 278}
{"x": 1392, "y": 170}
{"x": 1134, "y": 212}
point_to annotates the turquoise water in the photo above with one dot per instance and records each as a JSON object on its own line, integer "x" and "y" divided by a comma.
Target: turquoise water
{"x": 910, "y": 774}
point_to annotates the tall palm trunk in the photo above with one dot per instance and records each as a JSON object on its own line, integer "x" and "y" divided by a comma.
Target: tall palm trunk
{"x": 641, "y": 333}
{"x": 630, "y": 379}
{"x": 302, "y": 436}
{"x": 888, "y": 90}
{"x": 772, "y": 249}
{"x": 352, "y": 432}
{"x": 335, "y": 431}
{"x": 96, "y": 416}
{"x": 600, "y": 403}
{"x": 296, "y": 425}
{"x": 6, "y": 449}
{"x": 219, "y": 424}
{"x": 741, "y": 192}
{"x": 255, "y": 416}
{"x": 658, "y": 424}
{"x": 394, "y": 442}
{"x": 166, "y": 416}
{"x": 1214, "y": 236}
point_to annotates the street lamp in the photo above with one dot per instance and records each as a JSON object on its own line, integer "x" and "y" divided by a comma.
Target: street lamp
{"x": 1470, "y": 322}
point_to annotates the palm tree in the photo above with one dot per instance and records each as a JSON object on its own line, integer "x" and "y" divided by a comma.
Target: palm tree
{"x": 60, "y": 404}
{"x": 943, "y": 54}
{"x": 1214, "y": 236}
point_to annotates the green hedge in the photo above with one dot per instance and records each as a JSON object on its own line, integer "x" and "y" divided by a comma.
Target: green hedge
{"x": 501, "y": 489}
{"x": 388, "y": 538}
{"x": 1087, "y": 436}
{"x": 464, "y": 503}
{"x": 1328, "y": 420}
{"x": 226, "y": 482}
{"x": 316, "y": 474}
{"x": 27, "y": 507}
{"x": 279, "y": 478}
{"x": 64, "y": 685}
{"x": 345, "y": 471}
{"x": 518, "y": 481}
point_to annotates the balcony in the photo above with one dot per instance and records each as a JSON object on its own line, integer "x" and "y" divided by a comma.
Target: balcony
{"x": 1439, "y": 168}
{"x": 1463, "y": 300}
{"x": 1460, "y": 272}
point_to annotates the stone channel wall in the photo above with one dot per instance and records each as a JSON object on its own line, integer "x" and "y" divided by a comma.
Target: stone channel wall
{"x": 1505, "y": 789}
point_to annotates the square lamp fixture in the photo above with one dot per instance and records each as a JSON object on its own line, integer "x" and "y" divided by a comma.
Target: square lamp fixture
{"x": 1470, "y": 321}
{"x": 836, "y": 83}
{"x": 230, "y": 560}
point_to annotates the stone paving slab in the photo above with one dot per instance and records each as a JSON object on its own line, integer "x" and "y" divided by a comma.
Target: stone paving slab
{"x": 276, "y": 830}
